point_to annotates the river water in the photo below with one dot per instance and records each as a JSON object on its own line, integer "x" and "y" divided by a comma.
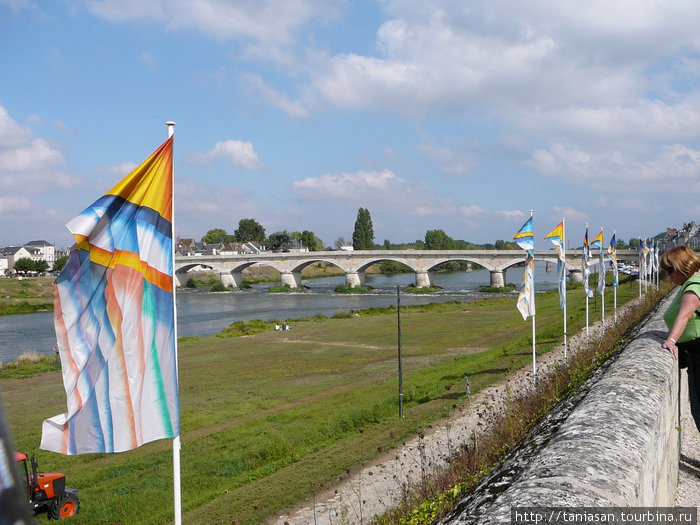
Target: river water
{"x": 202, "y": 313}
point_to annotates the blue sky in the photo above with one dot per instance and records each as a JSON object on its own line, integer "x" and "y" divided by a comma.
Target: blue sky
{"x": 451, "y": 115}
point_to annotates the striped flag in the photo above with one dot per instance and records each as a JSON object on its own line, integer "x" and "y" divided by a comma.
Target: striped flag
{"x": 597, "y": 242}
{"x": 585, "y": 266}
{"x": 557, "y": 238}
{"x": 114, "y": 319}
{"x": 526, "y": 298}
{"x": 612, "y": 254}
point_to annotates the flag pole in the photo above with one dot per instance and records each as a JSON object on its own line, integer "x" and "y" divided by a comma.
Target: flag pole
{"x": 617, "y": 280}
{"x": 585, "y": 276}
{"x": 534, "y": 350}
{"x": 177, "y": 494}
{"x": 601, "y": 277}
{"x": 563, "y": 262}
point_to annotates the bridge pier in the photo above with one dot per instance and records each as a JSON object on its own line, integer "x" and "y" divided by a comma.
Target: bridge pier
{"x": 423, "y": 279}
{"x": 575, "y": 275}
{"x": 498, "y": 278}
{"x": 234, "y": 279}
{"x": 180, "y": 278}
{"x": 293, "y": 279}
{"x": 353, "y": 279}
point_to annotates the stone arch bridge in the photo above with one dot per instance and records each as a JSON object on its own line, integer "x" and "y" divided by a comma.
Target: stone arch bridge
{"x": 355, "y": 263}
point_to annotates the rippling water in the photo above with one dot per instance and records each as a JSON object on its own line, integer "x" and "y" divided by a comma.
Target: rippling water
{"x": 204, "y": 313}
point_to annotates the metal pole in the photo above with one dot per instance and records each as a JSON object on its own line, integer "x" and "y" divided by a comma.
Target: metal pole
{"x": 398, "y": 315}
{"x": 177, "y": 492}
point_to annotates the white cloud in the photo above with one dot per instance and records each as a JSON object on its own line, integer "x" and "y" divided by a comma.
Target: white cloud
{"x": 348, "y": 185}
{"x": 21, "y": 151}
{"x": 15, "y": 204}
{"x": 238, "y": 152}
{"x": 275, "y": 98}
{"x": 271, "y": 21}
{"x": 673, "y": 163}
{"x": 450, "y": 162}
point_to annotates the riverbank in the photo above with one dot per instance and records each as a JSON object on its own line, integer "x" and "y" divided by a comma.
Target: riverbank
{"x": 269, "y": 418}
{"x": 28, "y": 295}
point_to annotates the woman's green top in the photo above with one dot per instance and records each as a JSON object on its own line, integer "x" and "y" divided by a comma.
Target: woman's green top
{"x": 692, "y": 329}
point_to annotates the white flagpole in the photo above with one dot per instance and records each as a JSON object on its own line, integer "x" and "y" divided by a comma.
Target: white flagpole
{"x": 177, "y": 494}
{"x": 617, "y": 278}
{"x": 601, "y": 275}
{"x": 534, "y": 351}
{"x": 586, "y": 284}
{"x": 563, "y": 263}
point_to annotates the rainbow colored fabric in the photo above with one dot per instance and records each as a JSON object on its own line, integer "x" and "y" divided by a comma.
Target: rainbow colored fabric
{"x": 585, "y": 267}
{"x": 525, "y": 238}
{"x": 597, "y": 241}
{"x": 612, "y": 253}
{"x": 114, "y": 319}
{"x": 557, "y": 237}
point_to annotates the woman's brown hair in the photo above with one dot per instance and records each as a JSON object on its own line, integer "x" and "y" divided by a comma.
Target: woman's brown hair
{"x": 681, "y": 259}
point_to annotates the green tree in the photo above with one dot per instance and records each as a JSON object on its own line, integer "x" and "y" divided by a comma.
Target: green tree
{"x": 60, "y": 262}
{"x": 634, "y": 244}
{"x": 41, "y": 266}
{"x": 438, "y": 240}
{"x": 340, "y": 242}
{"x": 250, "y": 230}
{"x": 505, "y": 245}
{"x": 310, "y": 240}
{"x": 218, "y": 235}
{"x": 278, "y": 241}
{"x": 363, "y": 236}
{"x": 24, "y": 265}
{"x": 387, "y": 244}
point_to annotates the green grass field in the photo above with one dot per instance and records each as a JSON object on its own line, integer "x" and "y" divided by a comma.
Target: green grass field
{"x": 267, "y": 418}
{"x": 31, "y": 294}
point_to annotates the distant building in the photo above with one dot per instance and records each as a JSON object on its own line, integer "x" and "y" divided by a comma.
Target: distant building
{"x": 689, "y": 235}
{"x": 13, "y": 254}
{"x": 43, "y": 251}
{"x": 4, "y": 266}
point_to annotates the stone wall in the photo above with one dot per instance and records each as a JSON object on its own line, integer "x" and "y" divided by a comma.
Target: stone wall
{"x": 616, "y": 444}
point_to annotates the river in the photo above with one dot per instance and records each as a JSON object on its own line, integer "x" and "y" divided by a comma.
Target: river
{"x": 202, "y": 313}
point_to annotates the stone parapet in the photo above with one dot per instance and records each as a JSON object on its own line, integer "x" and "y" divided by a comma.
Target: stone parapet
{"x": 615, "y": 445}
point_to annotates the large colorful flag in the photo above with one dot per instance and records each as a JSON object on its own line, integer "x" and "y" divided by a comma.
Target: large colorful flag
{"x": 557, "y": 237}
{"x": 612, "y": 253}
{"x": 526, "y": 298}
{"x": 114, "y": 319}
{"x": 525, "y": 238}
{"x": 643, "y": 253}
{"x": 597, "y": 241}
{"x": 585, "y": 268}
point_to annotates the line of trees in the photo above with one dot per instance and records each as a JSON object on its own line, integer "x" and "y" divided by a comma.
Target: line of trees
{"x": 249, "y": 230}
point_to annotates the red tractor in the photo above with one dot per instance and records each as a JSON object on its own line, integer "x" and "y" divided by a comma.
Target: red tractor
{"x": 47, "y": 492}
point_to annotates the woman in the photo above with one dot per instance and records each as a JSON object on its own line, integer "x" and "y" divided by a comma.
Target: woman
{"x": 682, "y": 264}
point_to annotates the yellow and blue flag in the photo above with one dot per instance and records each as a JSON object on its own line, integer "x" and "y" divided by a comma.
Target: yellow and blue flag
{"x": 557, "y": 237}
{"x": 114, "y": 319}
{"x": 612, "y": 253}
{"x": 525, "y": 238}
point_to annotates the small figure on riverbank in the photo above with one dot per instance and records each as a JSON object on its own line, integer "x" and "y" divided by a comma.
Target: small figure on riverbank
{"x": 277, "y": 327}
{"x": 285, "y": 326}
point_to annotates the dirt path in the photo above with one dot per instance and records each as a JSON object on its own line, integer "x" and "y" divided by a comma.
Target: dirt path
{"x": 378, "y": 486}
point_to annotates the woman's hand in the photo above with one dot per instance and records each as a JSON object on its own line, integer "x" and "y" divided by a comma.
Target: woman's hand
{"x": 670, "y": 345}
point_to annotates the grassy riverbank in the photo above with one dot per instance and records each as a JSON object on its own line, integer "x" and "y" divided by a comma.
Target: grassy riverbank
{"x": 268, "y": 418}
{"x": 31, "y": 294}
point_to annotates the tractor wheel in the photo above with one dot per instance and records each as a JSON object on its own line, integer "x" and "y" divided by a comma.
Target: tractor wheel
{"x": 66, "y": 506}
